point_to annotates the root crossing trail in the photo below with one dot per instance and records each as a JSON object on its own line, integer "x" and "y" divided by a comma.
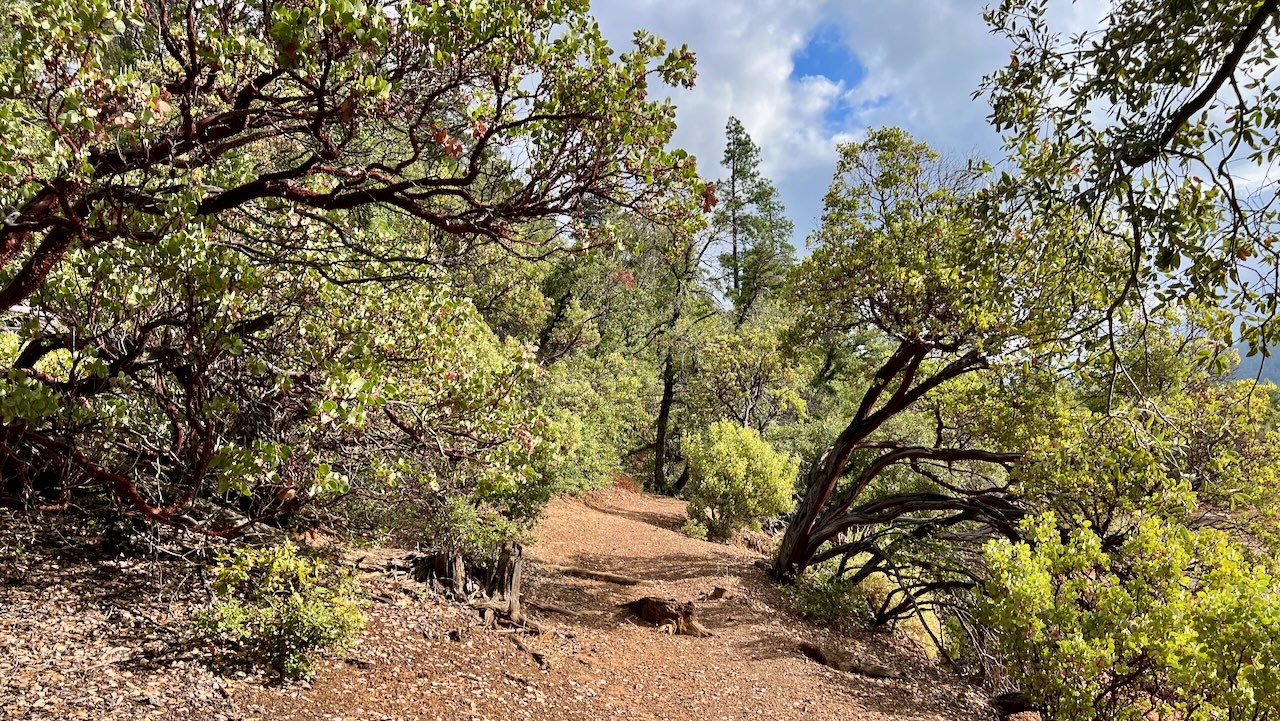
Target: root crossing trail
{"x": 752, "y": 667}
{"x": 597, "y": 661}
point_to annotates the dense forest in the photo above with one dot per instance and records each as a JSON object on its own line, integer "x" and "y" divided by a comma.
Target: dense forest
{"x": 402, "y": 272}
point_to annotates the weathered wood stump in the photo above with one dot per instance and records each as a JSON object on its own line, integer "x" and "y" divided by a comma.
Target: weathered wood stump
{"x": 720, "y": 592}
{"x": 501, "y": 591}
{"x": 668, "y": 614}
{"x": 494, "y": 592}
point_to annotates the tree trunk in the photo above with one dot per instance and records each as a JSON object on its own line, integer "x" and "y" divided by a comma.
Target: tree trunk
{"x": 682, "y": 481}
{"x": 504, "y": 585}
{"x": 793, "y": 553}
{"x": 893, "y": 389}
{"x": 664, "y": 421}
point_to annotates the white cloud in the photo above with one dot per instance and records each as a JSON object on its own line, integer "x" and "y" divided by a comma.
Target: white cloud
{"x": 923, "y": 61}
{"x": 744, "y": 54}
{"x": 744, "y": 64}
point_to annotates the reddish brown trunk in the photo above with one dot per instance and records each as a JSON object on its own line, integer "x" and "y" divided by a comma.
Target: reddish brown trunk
{"x": 802, "y": 539}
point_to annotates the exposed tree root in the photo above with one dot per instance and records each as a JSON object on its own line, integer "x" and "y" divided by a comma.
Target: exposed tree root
{"x": 841, "y": 661}
{"x": 552, "y": 608}
{"x": 668, "y": 614}
{"x": 593, "y": 575}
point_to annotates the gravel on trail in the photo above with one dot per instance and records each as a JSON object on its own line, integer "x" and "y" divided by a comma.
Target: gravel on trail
{"x": 87, "y": 638}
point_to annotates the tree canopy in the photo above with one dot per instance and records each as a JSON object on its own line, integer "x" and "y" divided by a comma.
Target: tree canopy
{"x": 1161, "y": 123}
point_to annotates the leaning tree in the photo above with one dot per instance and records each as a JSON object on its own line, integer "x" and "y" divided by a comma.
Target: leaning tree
{"x": 972, "y": 299}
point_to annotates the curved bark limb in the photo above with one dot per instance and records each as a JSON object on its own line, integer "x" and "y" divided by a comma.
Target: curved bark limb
{"x": 797, "y": 548}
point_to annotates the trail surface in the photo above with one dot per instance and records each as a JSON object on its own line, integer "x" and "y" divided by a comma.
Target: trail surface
{"x": 427, "y": 659}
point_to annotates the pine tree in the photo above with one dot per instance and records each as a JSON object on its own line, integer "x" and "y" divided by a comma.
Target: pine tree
{"x": 752, "y": 221}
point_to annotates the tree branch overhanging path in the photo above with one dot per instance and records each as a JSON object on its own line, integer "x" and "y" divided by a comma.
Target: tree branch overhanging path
{"x": 917, "y": 250}
{"x": 260, "y": 132}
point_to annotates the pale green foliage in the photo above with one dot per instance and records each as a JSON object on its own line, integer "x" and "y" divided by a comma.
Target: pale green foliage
{"x": 746, "y": 375}
{"x": 736, "y": 479}
{"x": 903, "y": 248}
{"x": 1177, "y": 160}
{"x": 1092, "y": 632}
{"x": 1146, "y": 574}
{"x": 214, "y": 305}
{"x": 832, "y": 381}
{"x": 105, "y": 94}
{"x": 694, "y": 529}
{"x": 280, "y": 608}
{"x": 452, "y": 452}
{"x": 1199, "y": 457}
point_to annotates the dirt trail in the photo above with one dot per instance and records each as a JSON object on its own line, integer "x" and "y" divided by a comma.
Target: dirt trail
{"x": 751, "y": 669}
{"x": 429, "y": 661}
{"x": 422, "y": 658}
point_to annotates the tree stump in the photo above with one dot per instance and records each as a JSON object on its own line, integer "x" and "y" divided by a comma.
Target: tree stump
{"x": 444, "y": 571}
{"x": 495, "y": 595}
{"x": 669, "y": 614}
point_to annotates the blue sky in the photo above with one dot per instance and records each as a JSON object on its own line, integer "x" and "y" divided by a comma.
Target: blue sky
{"x": 804, "y": 75}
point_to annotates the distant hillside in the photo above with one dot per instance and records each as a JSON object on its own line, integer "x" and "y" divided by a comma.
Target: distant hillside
{"x": 1250, "y": 365}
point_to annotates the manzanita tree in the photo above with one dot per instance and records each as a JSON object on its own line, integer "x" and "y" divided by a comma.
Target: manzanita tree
{"x": 959, "y": 294}
{"x": 225, "y": 223}
{"x": 1163, "y": 116}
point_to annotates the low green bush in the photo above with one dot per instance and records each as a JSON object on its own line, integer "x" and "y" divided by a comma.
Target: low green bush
{"x": 694, "y": 529}
{"x": 1175, "y": 621}
{"x": 279, "y": 608}
{"x": 736, "y": 479}
{"x": 820, "y": 595}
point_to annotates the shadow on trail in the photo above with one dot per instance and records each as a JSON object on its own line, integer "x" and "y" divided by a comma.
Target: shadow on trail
{"x": 672, "y": 567}
{"x": 921, "y": 689}
{"x": 669, "y": 520}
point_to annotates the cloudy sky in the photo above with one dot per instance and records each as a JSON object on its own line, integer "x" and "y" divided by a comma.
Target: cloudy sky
{"x": 803, "y": 75}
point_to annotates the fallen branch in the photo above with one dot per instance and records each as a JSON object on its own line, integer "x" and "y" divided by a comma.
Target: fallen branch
{"x": 551, "y": 608}
{"x": 593, "y": 575}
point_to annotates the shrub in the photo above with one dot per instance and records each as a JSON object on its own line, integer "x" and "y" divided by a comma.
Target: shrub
{"x": 278, "y": 608}
{"x": 823, "y": 597}
{"x": 1173, "y": 621}
{"x": 736, "y": 479}
{"x": 594, "y": 410}
{"x": 694, "y": 529}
